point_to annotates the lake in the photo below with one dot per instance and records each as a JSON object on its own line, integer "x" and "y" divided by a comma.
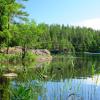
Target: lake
{"x": 66, "y": 77}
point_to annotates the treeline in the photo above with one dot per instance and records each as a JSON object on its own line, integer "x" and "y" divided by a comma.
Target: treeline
{"x": 17, "y": 30}
{"x": 69, "y": 38}
{"x": 56, "y": 37}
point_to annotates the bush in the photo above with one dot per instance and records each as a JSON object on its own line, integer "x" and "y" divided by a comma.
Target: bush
{"x": 16, "y": 58}
{"x": 30, "y": 56}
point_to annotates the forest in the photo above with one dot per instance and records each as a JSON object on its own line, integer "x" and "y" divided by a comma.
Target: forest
{"x": 16, "y": 29}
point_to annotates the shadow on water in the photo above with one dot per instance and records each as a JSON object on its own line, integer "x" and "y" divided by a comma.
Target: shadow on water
{"x": 67, "y": 77}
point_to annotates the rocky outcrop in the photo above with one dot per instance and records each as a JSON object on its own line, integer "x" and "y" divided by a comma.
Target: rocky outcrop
{"x": 41, "y": 52}
{"x": 44, "y": 59}
{"x": 18, "y": 50}
{"x": 43, "y": 55}
{"x": 12, "y": 50}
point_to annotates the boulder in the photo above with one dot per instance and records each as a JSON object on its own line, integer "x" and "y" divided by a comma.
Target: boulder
{"x": 12, "y": 50}
{"x": 42, "y": 52}
{"x": 10, "y": 75}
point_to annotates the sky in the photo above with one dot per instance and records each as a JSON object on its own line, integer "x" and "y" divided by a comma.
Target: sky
{"x": 72, "y": 12}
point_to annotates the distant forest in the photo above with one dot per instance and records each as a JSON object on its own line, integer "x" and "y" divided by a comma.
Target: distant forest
{"x": 70, "y": 38}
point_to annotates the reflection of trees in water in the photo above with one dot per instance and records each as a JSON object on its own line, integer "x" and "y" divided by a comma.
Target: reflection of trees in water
{"x": 71, "y": 66}
{"x": 4, "y": 88}
{"x": 25, "y": 87}
{"x": 61, "y": 67}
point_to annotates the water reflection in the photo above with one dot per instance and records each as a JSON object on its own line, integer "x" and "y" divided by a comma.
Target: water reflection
{"x": 82, "y": 89}
{"x": 67, "y": 77}
{"x": 4, "y": 88}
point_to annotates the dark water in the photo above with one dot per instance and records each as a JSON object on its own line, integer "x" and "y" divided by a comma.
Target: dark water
{"x": 67, "y": 77}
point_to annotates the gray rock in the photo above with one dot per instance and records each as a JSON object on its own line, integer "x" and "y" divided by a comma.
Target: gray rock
{"x": 41, "y": 52}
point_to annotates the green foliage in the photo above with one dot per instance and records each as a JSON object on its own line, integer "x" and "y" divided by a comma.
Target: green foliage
{"x": 10, "y": 58}
{"x": 15, "y": 58}
{"x": 4, "y": 20}
{"x": 9, "y": 11}
{"x": 30, "y": 57}
{"x": 93, "y": 69}
{"x": 21, "y": 93}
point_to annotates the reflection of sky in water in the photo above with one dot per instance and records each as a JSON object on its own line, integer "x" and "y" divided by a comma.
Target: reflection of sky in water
{"x": 85, "y": 89}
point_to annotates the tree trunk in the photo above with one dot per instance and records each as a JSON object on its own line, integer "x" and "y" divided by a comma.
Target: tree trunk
{"x": 23, "y": 52}
{"x": 7, "y": 49}
{"x": 8, "y": 29}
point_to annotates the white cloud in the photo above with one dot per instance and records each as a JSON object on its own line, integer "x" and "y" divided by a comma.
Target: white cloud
{"x": 92, "y": 23}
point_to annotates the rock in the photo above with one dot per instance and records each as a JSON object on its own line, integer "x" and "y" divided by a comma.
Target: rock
{"x": 12, "y": 50}
{"x": 33, "y": 51}
{"x": 18, "y": 47}
{"x": 44, "y": 59}
{"x": 40, "y": 52}
{"x": 10, "y": 75}
{"x": 46, "y": 51}
{"x": 18, "y": 50}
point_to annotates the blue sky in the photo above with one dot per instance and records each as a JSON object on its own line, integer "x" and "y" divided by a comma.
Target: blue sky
{"x": 73, "y": 12}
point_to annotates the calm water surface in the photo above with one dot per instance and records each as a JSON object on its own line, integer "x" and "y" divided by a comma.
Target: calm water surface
{"x": 67, "y": 77}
